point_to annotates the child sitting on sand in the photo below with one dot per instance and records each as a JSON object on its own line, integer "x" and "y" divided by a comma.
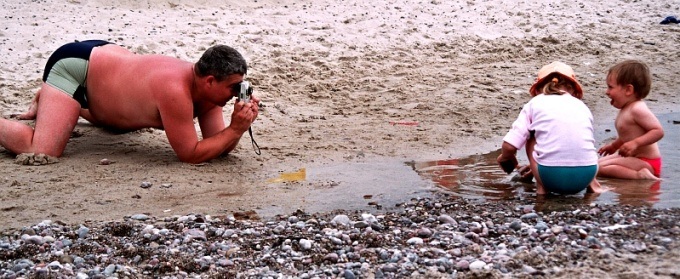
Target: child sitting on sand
{"x": 557, "y": 129}
{"x": 638, "y": 128}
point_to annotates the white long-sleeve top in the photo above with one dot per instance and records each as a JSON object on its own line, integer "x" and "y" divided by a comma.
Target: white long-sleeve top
{"x": 563, "y": 128}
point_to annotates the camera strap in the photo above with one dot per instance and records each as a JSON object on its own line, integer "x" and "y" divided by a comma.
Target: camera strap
{"x": 252, "y": 139}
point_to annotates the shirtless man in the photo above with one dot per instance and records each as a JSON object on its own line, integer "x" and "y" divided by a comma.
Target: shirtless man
{"x": 113, "y": 88}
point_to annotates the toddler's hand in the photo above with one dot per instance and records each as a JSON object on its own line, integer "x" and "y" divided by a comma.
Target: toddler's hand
{"x": 606, "y": 150}
{"x": 628, "y": 149}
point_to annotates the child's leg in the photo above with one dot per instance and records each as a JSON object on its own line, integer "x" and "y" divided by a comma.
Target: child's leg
{"x": 625, "y": 167}
{"x": 540, "y": 189}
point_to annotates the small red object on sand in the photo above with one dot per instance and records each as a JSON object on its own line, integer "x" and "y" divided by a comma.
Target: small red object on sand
{"x": 404, "y": 123}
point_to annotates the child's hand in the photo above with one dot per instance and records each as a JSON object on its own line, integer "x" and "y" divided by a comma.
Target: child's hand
{"x": 628, "y": 149}
{"x": 507, "y": 163}
{"x": 606, "y": 150}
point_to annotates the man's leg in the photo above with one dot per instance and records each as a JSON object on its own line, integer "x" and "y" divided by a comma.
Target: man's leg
{"x": 625, "y": 168}
{"x": 56, "y": 116}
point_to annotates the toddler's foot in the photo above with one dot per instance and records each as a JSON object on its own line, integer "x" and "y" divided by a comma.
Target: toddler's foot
{"x": 646, "y": 174}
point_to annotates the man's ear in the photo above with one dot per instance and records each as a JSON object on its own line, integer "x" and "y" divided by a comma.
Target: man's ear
{"x": 210, "y": 81}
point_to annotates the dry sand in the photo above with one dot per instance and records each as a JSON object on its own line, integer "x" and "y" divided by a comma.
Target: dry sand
{"x": 332, "y": 75}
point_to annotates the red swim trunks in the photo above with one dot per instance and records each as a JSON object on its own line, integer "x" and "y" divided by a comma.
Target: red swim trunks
{"x": 656, "y": 165}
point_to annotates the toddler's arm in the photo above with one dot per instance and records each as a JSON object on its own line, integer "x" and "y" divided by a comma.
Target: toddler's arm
{"x": 648, "y": 122}
{"x": 610, "y": 148}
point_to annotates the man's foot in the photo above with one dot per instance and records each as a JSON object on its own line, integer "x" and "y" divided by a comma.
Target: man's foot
{"x": 646, "y": 174}
{"x": 29, "y": 115}
{"x": 32, "y": 110}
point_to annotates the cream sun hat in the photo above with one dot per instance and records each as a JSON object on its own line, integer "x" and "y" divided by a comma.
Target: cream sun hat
{"x": 559, "y": 68}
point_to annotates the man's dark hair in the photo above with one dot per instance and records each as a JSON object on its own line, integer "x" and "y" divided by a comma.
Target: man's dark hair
{"x": 221, "y": 61}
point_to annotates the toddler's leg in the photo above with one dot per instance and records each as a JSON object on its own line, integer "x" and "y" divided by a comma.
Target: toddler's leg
{"x": 625, "y": 168}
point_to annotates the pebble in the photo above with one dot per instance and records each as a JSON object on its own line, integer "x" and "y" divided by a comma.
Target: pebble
{"x": 341, "y": 220}
{"x": 477, "y": 265}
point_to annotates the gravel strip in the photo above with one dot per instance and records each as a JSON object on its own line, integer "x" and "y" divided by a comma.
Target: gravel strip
{"x": 427, "y": 238}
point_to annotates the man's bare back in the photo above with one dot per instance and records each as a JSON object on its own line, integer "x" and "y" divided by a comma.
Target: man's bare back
{"x": 124, "y": 89}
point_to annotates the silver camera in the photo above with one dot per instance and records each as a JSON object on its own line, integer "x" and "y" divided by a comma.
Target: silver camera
{"x": 244, "y": 91}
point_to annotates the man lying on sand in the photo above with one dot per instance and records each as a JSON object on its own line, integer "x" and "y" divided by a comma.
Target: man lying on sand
{"x": 113, "y": 88}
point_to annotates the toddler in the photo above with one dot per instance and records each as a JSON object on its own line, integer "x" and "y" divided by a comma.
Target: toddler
{"x": 638, "y": 129}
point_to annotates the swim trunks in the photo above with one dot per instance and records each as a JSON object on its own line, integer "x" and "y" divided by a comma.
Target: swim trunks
{"x": 66, "y": 69}
{"x": 656, "y": 165}
{"x": 566, "y": 180}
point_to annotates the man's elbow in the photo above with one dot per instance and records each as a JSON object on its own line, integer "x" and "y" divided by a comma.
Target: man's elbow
{"x": 191, "y": 159}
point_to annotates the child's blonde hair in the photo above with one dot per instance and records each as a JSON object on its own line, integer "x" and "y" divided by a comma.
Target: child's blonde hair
{"x": 635, "y": 73}
{"x": 554, "y": 77}
{"x": 558, "y": 85}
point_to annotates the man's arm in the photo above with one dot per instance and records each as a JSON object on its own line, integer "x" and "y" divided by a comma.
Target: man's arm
{"x": 177, "y": 117}
{"x": 212, "y": 123}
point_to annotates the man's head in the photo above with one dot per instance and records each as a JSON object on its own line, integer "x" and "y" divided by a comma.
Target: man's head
{"x": 634, "y": 73}
{"x": 221, "y": 61}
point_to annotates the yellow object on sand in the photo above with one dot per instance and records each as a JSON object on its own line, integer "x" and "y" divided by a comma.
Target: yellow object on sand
{"x": 299, "y": 175}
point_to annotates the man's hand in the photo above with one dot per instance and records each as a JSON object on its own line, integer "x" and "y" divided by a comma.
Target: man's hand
{"x": 244, "y": 114}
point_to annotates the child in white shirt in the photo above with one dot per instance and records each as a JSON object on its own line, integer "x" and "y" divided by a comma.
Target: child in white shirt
{"x": 556, "y": 128}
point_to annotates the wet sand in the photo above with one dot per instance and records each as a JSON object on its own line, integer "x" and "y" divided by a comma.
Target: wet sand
{"x": 334, "y": 79}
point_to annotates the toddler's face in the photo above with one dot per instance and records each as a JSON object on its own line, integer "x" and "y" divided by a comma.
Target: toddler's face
{"x": 616, "y": 92}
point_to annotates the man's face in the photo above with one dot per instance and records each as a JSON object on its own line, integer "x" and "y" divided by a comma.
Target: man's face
{"x": 227, "y": 89}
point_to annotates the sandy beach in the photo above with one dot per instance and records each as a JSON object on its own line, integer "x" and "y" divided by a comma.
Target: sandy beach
{"x": 336, "y": 78}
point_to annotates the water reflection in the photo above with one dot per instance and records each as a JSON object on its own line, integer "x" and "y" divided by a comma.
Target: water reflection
{"x": 479, "y": 177}
{"x": 635, "y": 192}
{"x": 472, "y": 177}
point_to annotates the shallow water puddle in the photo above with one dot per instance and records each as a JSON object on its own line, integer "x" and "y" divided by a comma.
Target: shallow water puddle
{"x": 374, "y": 185}
{"x": 350, "y": 186}
{"x": 474, "y": 177}
{"x": 479, "y": 177}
